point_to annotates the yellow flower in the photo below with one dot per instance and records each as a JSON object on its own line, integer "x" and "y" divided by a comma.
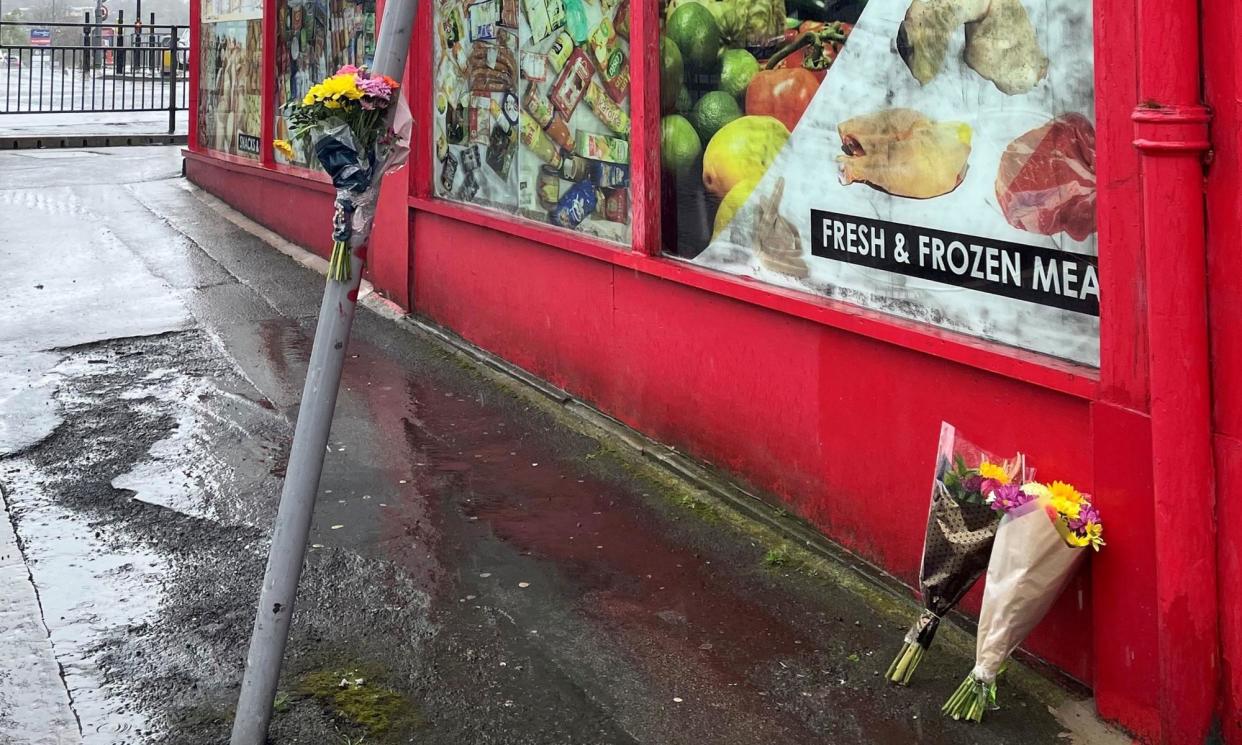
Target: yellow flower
{"x": 284, "y": 147}
{"x": 993, "y": 471}
{"x": 308, "y": 99}
{"x": 332, "y": 103}
{"x": 1095, "y": 535}
{"x": 339, "y": 86}
{"x": 1065, "y": 499}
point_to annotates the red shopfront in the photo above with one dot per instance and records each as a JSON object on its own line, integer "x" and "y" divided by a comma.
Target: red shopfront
{"x": 686, "y": 301}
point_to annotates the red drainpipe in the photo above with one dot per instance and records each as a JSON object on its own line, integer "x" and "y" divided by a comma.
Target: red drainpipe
{"x": 1171, "y": 134}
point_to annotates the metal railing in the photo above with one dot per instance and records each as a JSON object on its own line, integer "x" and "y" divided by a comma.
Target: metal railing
{"x": 93, "y": 67}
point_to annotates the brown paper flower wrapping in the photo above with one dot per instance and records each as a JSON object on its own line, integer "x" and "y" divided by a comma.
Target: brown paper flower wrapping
{"x": 1031, "y": 564}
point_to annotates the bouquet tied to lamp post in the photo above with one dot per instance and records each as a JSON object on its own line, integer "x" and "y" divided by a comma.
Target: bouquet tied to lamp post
{"x": 358, "y": 125}
{"x": 958, "y": 541}
{"x": 1040, "y": 541}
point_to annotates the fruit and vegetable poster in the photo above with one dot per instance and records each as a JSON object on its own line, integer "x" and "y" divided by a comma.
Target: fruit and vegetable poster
{"x": 932, "y": 159}
{"x": 532, "y": 110}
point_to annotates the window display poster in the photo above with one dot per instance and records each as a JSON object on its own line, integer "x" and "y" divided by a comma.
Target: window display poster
{"x": 231, "y": 10}
{"x": 314, "y": 38}
{"x": 932, "y": 159}
{"x": 532, "y": 102}
{"x": 230, "y": 90}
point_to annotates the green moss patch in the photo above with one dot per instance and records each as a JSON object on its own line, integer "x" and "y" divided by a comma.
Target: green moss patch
{"x": 355, "y": 697}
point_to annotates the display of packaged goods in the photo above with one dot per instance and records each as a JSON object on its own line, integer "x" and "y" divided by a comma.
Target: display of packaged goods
{"x": 602, "y": 40}
{"x": 558, "y": 53}
{"x": 543, "y": 17}
{"x": 572, "y": 83}
{"x": 501, "y": 149}
{"x": 537, "y": 20}
{"x": 606, "y": 110}
{"x": 601, "y": 147}
{"x": 538, "y": 106}
{"x": 609, "y": 58}
{"x": 492, "y": 66}
{"x": 470, "y": 159}
{"x": 448, "y": 172}
{"x": 576, "y": 22}
{"x": 452, "y": 28}
{"x": 560, "y": 133}
{"x": 575, "y": 205}
{"x": 509, "y": 13}
{"x": 469, "y": 188}
{"x": 574, "y": 168}
{"x": 534, "y": 66}
{"x": 481, "y": 119}
{"x": 609, "y": 175}
{"x": 537, "y": 141}
{"x": 621, "y": 21}
{"x": 455, "y": 123}
{"x": 509, "y": 109}
{"x": 613, "y": 205}
{"x": 482, "y": 18}
{"x": 548, "y": 187}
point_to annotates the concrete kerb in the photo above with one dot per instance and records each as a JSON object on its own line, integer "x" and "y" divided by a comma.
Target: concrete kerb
{"x": 47, "y": 142}
{"x": 753, "y": 514}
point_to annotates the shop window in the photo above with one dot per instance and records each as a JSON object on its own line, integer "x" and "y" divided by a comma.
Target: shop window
{"x": 931, "y": 159}
{"x": 314, "y": 38}
{"x": 532, "y": 102}
{"x": 230, "y": 77}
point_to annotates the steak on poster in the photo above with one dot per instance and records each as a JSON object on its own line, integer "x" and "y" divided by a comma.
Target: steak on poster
{"x": 1046, "y": 180}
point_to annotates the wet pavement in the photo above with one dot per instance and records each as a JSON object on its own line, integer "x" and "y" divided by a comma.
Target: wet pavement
{"x": 482, "y": 570}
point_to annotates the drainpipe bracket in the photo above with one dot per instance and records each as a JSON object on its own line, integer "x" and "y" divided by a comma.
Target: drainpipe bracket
{"x": 1171, "y": 129}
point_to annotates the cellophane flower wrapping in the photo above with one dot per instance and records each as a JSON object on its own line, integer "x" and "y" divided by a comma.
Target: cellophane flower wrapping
{"x": 960, "y": 529}
{"x": 346, "y": 120}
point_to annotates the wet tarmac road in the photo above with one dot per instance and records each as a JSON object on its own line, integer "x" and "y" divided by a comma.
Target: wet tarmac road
{"x": 488, "y": 572}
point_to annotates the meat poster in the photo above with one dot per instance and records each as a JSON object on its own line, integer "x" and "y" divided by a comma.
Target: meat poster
{"x": 942, "y": 172}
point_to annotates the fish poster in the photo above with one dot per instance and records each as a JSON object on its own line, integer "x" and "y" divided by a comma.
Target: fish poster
{"x": 942, "y": 170}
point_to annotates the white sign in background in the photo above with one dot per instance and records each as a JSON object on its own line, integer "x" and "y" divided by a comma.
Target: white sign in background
{"x": 870, "y": 76}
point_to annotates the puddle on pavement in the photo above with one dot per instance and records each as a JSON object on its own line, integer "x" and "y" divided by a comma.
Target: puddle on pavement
{"x": 90, "y": 593}
{"x": 221, "y": 448}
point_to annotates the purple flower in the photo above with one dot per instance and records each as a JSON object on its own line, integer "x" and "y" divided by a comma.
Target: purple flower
{"x": 973, "y": 483}
{"x": 375, "y": 88}
{"x": 1009, "y": 497}
{"x": 1087, "y": 515}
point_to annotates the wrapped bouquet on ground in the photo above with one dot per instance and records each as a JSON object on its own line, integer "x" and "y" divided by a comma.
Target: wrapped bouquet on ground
{"x": 1041, "y": 540}
{"x": 960, "y": 529}
{"x": 358, "y": 127}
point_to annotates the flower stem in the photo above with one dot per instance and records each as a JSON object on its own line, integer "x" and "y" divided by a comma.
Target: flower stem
{"x": 905, "y": 663}
{"x": 970, "y": 700}
{"x": 339, "y": 264}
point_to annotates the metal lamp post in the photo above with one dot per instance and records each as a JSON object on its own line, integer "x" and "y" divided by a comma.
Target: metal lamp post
{"x": 310, "y": 439}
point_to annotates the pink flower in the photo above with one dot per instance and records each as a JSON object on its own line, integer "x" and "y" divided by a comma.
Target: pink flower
{"x": 347, "y": 70}
{"x": 375, "y": 88}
